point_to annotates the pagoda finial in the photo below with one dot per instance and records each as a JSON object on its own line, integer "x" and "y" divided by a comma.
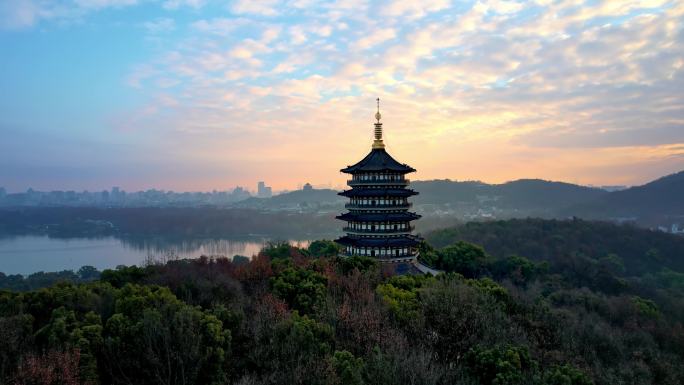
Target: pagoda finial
{"x": 377, "y": 143}
{"x": 377, "y": 114}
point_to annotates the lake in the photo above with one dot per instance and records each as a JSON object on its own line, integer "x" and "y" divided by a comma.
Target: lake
{"x": 29, "y": 254}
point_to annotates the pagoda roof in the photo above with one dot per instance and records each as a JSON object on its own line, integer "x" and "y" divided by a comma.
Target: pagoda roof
{"x": 378, "y": 160}
{"x": 377, "y": 192}
{"x": 379, "y": 217}
{"x": 406, "y": 240}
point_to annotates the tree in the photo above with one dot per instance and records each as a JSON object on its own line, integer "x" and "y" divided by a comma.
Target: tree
{"x": 324, "y": 248}
{"x": 88, "y": 273}
{"x": 402, "y": 303}
{"x": 358, "y": 262}
{"x": 518, "y": 269}
{"x": 302, "y": 289}
{"x": 123, "y": 275}
{"x": 501, "y": 365}
{"x": 348, "y": 368}
{"x": 51, "y": 368}
{"x": 240, "y": 259}
{"x": 277, "y": 250}
{"x": 462, "y": 257}
{"x": 155, "y": 338}
{"x": 566, "y": 375}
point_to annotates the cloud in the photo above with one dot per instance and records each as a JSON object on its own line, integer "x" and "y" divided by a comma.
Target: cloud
{"x": 508, "y": 88}
{"x": 262, "y": 7}
{"x": 104, "y": 3}
{"x": 375, "y": 38}
{"x": 414, "y": 9}
{"x": 176, "y": 4}
{"x": 24, "y": 14}
{"x": 21, "y": 14}
{"x": 220, "y": 26}
{"x": 160, "y": 25}
{"x": 298, "y": 35}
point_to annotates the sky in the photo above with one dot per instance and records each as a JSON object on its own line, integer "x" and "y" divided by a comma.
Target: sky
{"x": 197, "y": 95}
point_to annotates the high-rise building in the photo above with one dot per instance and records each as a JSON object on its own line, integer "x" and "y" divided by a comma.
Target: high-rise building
{"x": 378, "y": 223}
{"x": 264, "y": 191}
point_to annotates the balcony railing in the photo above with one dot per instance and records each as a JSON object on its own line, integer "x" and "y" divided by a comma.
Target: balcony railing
{"x": 378, "y": 231}
{"x": 359, "y": 206}
{"x": 401, "y": 257}
{"x": 378, "y": 182}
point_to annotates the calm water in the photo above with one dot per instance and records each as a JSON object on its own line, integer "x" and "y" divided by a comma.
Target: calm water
{"x": 29, "y": 254}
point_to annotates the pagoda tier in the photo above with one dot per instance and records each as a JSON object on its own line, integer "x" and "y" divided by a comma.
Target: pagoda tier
{"x": 407, "y": 240}
{"x": 378, "y": 220}
{"x": 385, "y": 248}
{"x": 402, "y": 216}
{"x": 369, "y": 191}
{"x": 378, "y": 161}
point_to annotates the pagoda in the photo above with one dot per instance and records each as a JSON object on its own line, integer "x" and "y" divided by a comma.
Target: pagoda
{"x": 378, "y": 221}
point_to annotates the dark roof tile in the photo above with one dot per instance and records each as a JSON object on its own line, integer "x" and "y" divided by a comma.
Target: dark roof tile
{"x": 378, "y": 160}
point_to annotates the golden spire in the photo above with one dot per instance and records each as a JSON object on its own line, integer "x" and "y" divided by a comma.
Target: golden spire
{"x": 377, "y": 143}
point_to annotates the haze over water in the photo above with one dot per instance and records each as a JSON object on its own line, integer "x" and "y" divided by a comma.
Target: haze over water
{"x": 30, "y": 254}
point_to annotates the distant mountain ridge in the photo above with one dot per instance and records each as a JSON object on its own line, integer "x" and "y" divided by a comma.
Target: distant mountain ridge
{"x": 522, "y": 194}
{"x": 521, "y": 198}
{"x": 295, "y": 199}
{"x": 661, "y": 197}
{"x": 659, "y": 203}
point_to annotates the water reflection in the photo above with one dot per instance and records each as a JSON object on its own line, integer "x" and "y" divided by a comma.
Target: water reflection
{"x": 29, "y": 254}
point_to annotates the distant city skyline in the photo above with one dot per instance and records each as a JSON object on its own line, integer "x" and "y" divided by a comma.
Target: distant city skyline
{"x": 255, "y": 191}
{"x": 196, "y": 95}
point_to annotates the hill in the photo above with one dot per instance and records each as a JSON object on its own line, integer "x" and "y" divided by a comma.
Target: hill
{"x": 639, "y": 251}
{"x": 524, "y": 197}
{"x": 296, "y": 200}
{"x": 662, "y": 197}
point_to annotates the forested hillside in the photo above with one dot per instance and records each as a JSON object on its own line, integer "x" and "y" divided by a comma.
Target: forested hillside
{"x": 303, "y": 316}
{"x": 525, "y": 194}
{"x": 637, "y": 250}
{"x": 662, "y": 197}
